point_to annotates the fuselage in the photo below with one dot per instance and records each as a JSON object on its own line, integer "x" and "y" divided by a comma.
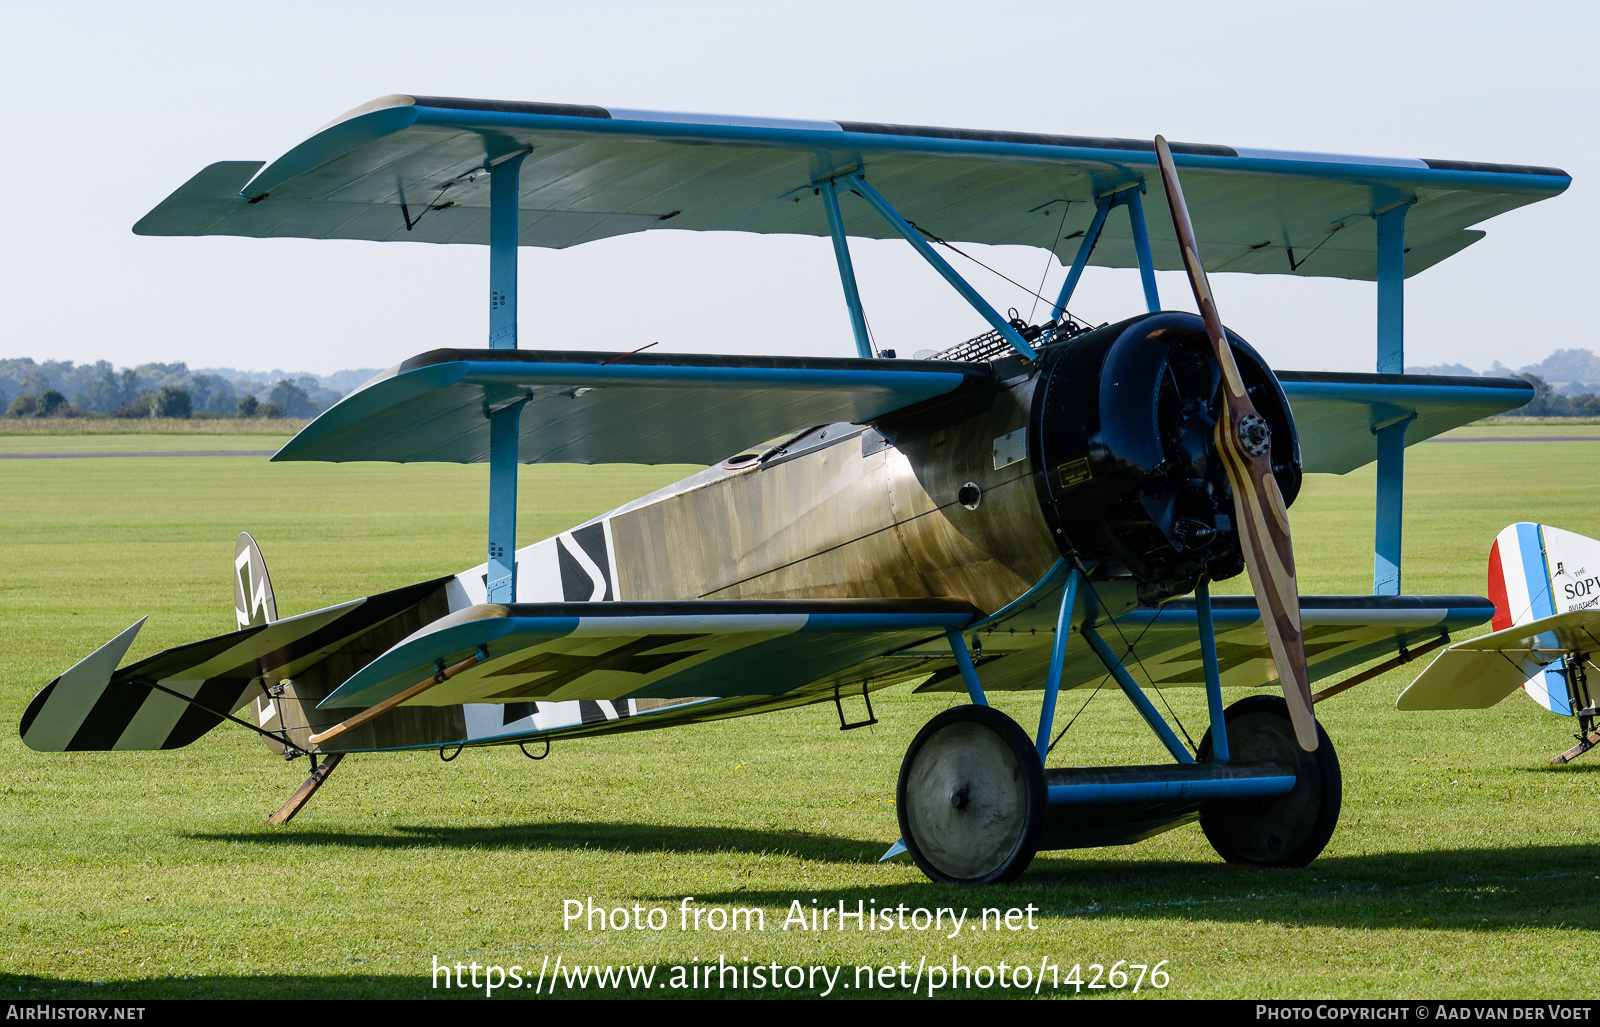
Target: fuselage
{"x": 841, "y": 511}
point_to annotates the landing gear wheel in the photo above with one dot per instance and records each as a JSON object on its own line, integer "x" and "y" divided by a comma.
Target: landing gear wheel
{"x": 1283, "y": 830}
{"x": 971, "y": 797}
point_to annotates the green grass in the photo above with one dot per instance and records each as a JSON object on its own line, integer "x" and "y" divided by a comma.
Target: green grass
{"x": 36, "y": 426}
{"x": 1461, "y": 867}
{"x": 1511, "y": 427}
{"x": 154, "y": 443}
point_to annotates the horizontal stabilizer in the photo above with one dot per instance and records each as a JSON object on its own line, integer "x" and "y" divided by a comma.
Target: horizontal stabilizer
{"x": 590, "y": 408}
{"x": 1479, "y": 672}
{"x": 49, "y": 725}
{"x": 172, "y": 698}
{"x": 1337, "y": 416}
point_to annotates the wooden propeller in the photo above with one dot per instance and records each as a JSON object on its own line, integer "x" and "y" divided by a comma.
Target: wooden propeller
{"x": 1244, "y": 441}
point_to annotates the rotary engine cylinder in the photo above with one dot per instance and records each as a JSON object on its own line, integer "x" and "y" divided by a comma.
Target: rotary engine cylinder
{"x": 1123, "y": 438}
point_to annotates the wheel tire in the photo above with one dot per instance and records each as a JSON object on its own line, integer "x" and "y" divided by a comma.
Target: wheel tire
{"x": 971, "y": 797}
{"x": 1287, "y": 830}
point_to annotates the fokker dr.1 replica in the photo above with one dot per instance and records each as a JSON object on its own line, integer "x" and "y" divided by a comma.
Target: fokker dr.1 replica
{"x": 1014, "y": 513}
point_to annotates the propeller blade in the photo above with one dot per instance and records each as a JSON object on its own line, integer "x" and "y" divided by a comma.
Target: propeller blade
{"x": 1244, "y": 443}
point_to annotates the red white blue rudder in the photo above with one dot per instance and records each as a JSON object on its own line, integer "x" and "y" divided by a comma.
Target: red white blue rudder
{"x": 1535, "y": 572}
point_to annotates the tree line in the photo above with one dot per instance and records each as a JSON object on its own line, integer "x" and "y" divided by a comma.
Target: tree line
{"x": 61, "y": 389}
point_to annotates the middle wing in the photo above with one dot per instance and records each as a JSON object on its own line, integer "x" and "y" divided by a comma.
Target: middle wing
{"x": 589, "y": 408}
{"x": 1337, "y": 415}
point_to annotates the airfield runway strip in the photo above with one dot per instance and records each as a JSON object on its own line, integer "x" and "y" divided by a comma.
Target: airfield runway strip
{"x": 1525, "y": 438}
{"x": 164, "y": 452}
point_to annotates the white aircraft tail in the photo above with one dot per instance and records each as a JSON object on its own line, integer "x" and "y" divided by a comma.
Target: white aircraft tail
{"x": 1535, "y": 572}
{"x": 254, "y": 604}
{"x": 253, "y": 601}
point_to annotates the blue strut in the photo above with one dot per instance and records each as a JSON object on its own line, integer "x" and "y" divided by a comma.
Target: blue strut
{"x": 959, "y": 284}
{"x": 1390, "y": 506}
{"x": 504, "y": 422}
{"x": 847, "y": 271}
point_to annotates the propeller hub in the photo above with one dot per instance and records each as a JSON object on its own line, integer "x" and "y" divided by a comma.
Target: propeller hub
{"x": 1255, "y": 435}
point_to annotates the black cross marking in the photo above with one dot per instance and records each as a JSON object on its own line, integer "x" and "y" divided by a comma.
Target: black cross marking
{"x": 631, "y": 657}
{"x": 1231, "y": 655}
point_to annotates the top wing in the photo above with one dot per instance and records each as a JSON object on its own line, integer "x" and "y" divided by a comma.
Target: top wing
{"x": 409, "y": 167}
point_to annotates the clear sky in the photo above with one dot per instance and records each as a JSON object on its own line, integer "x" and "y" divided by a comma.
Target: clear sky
{"x": 112, "y": 106}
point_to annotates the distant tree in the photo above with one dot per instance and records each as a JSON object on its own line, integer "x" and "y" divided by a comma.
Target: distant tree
{"x": 23, "y": 406}
{"x": 52, "y": 403}
{"x": 131, "y": 386}
{"x": 1567, "y": 365}
{"x": 1455, "y": 369}
{"x": 210, "y": 392}
{"x": 74, "y": 380}
{"x": 140, "y": 407}
{"x": 248, "y": 405}
{"x": 102, "y": 395}
{"x": 270, "y": 410}
{"x": 292, "y": 398}
{"x": 171, "y": 401}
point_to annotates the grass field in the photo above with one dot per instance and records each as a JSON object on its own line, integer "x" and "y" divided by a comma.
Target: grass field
{"x": 1463, "y": 865}
{"x": 45, "y": 426}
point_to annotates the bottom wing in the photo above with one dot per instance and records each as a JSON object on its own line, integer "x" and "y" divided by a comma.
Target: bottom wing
{"x": 1162, "y": 644}
{"x": 563, "y": 669}
{"x": 578, "y": 668}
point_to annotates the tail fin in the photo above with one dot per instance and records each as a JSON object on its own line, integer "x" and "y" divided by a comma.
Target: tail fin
{"x": 253, "y": 605}
{"x": 1537, "y": 571}
{"x": 253, "y": 601}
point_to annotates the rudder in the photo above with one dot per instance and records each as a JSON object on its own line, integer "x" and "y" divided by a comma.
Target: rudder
{"x": 1536, "y": 571}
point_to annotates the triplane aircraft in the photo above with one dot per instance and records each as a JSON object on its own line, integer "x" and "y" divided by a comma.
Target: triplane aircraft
{"x": 1005, "y": 516}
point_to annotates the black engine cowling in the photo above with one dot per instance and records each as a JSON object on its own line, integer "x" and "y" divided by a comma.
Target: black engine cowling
{"x": 1123, "y": 437}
